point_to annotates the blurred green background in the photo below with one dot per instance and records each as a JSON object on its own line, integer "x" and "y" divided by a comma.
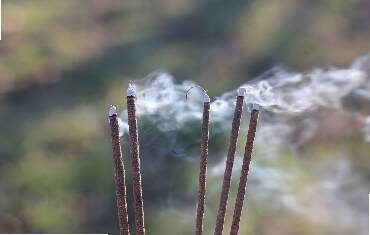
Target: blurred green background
{"x": 63, "y": 62}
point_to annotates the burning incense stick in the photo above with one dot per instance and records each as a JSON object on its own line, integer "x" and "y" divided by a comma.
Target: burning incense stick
{"x": 119, "y": 173}
{"x": 229, "y": 162}
{"x": 245, "y": 169}
{"x": 203, "y": 165}
{"x": 134, "y": 150}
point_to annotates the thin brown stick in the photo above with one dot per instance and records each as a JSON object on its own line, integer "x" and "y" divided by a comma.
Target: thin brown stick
{"x": 229, "y": 163}
{"x": 134, "y": 150}
{"x": 203, "y": 167}
{"x": 119, "y": 174}
{"x": 244, "y": 172}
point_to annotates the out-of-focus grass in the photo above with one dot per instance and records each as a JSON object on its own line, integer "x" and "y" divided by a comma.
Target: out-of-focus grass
{"x": 63, "y": 62}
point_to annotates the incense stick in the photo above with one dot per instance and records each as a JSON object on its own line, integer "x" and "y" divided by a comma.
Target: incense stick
{"x": 203, "y": 166}
{"x": 229, "y": 162}
{"x": 119, "y": 173}
{"x": 134, "y": 150}
{"x": 245, "y": 169}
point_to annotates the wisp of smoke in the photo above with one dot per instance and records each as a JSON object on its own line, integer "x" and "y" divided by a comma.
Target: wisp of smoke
{"x": 285, "y": 97}
{"x": 367, "y": 129}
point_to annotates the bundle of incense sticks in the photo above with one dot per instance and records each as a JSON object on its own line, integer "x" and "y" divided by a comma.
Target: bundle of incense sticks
{"x": 230, "y": 162}
{"x": 136, "y": 171}
{"x": 245, "y": 169}
{"x": 203, "y": 165}
{"x": 119, "y": 173}
{"x": 119, "y": 169}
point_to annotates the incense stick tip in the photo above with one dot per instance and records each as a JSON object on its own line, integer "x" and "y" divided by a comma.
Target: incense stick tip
{"x": 130, "y": 90}
{"x": 241, "y": 91}
{"x": 256, "y": 107}
{"x": 112, "y": 111}
{"x": 206, "y": 98}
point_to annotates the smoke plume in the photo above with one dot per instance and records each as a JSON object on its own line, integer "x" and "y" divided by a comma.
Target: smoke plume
{"x": 293, "y": 107}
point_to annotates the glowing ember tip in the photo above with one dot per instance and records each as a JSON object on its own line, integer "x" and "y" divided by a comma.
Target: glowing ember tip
{"x": 241, "y": 91}
{"x": 112, "y": 111}
{"x": 206, "y": 99}
{"x": 130, "y": 90}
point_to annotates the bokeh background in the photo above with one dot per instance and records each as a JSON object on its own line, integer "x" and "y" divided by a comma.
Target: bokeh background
{"x": 63, "y": 62}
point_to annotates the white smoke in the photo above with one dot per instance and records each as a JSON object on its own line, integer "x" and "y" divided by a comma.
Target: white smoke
{"x": 291, "y": 102}
{"x": 297, "y": 93}
{"x": 367, "y": 129}
{"x": 162, "y": 99}
{"x": 277, "y": 91}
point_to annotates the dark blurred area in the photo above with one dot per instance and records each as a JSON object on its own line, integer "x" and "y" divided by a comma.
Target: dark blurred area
{"x": 63, "y": 62}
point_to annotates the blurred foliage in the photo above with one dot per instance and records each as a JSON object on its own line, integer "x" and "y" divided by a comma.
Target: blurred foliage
{"x": 63, "y": 62}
